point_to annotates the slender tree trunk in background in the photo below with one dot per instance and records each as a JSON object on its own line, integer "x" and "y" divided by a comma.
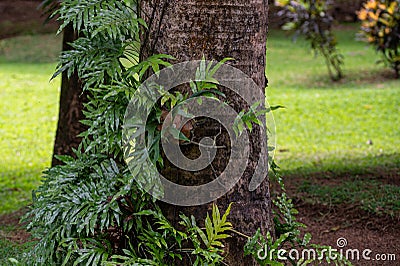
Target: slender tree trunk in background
{"x": 187, "y": 30}
{"x": 70, "y": 110}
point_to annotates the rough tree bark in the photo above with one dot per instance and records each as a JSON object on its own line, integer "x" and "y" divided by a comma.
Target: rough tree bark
{"x": 187, "y": 30}
{"x": 70, "y": 110}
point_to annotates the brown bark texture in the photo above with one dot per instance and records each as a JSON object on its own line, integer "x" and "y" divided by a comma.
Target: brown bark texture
{"x": 70, "y": 110}
{"x": 187, "y": 30}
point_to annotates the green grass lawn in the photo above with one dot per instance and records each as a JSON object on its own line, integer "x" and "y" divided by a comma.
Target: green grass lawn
{"x": 28, "y": 115}
{"x": 347, "y": 130}
{"x": 353, "y": 124}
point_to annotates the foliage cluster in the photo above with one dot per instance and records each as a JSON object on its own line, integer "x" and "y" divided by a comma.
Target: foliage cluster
{"x": 265, "y": 249}
{"x": 381, "y": 29}
{"x": 90, "y": 211}
{"x": 311, "y": 19}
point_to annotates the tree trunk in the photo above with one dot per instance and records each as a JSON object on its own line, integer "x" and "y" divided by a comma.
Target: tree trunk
{"x": 187, "y": 30}
{"x": 70, "y": 110}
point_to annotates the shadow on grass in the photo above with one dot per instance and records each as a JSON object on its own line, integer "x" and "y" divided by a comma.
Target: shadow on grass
{"x": 16, "y": 188}
{"x": 11, "y": 253}
{"x": 354, "y": 79}
{"x": 370, "y": 183}
{"x": 371, "y": 165}
{"x": 30, "y": 49}
{"x": 10, "y": 29}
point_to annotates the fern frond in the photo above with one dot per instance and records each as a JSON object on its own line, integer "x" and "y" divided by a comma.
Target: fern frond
{"x": 217, "y": 227}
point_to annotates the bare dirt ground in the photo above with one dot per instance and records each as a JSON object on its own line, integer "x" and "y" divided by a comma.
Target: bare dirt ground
{"x": 327, "y": 224}
{"x": 15, "y": 231}
{"x": 361, "y": 229}
{"x": 23, "y": 17}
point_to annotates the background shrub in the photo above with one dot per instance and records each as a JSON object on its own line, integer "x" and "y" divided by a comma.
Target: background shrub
{"x": 311, "y": 19}
{"x": 381, "y": 28}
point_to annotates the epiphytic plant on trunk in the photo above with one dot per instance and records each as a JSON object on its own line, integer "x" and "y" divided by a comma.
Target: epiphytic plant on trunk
{"x": 89, "y": 210}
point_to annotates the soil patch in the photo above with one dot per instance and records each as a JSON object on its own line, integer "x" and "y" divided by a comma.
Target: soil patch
{"x": 361, "y": 230}
{"x": 12, "y": 229}
{"x": 388, "y": 176}
{"x": 23, "y": 17}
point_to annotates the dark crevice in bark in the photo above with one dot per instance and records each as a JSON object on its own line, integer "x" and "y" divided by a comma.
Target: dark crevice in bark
{"x": 158, "y": 29}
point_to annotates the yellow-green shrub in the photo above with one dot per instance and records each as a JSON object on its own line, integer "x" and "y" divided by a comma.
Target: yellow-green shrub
{"x": 381, "y": 28}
